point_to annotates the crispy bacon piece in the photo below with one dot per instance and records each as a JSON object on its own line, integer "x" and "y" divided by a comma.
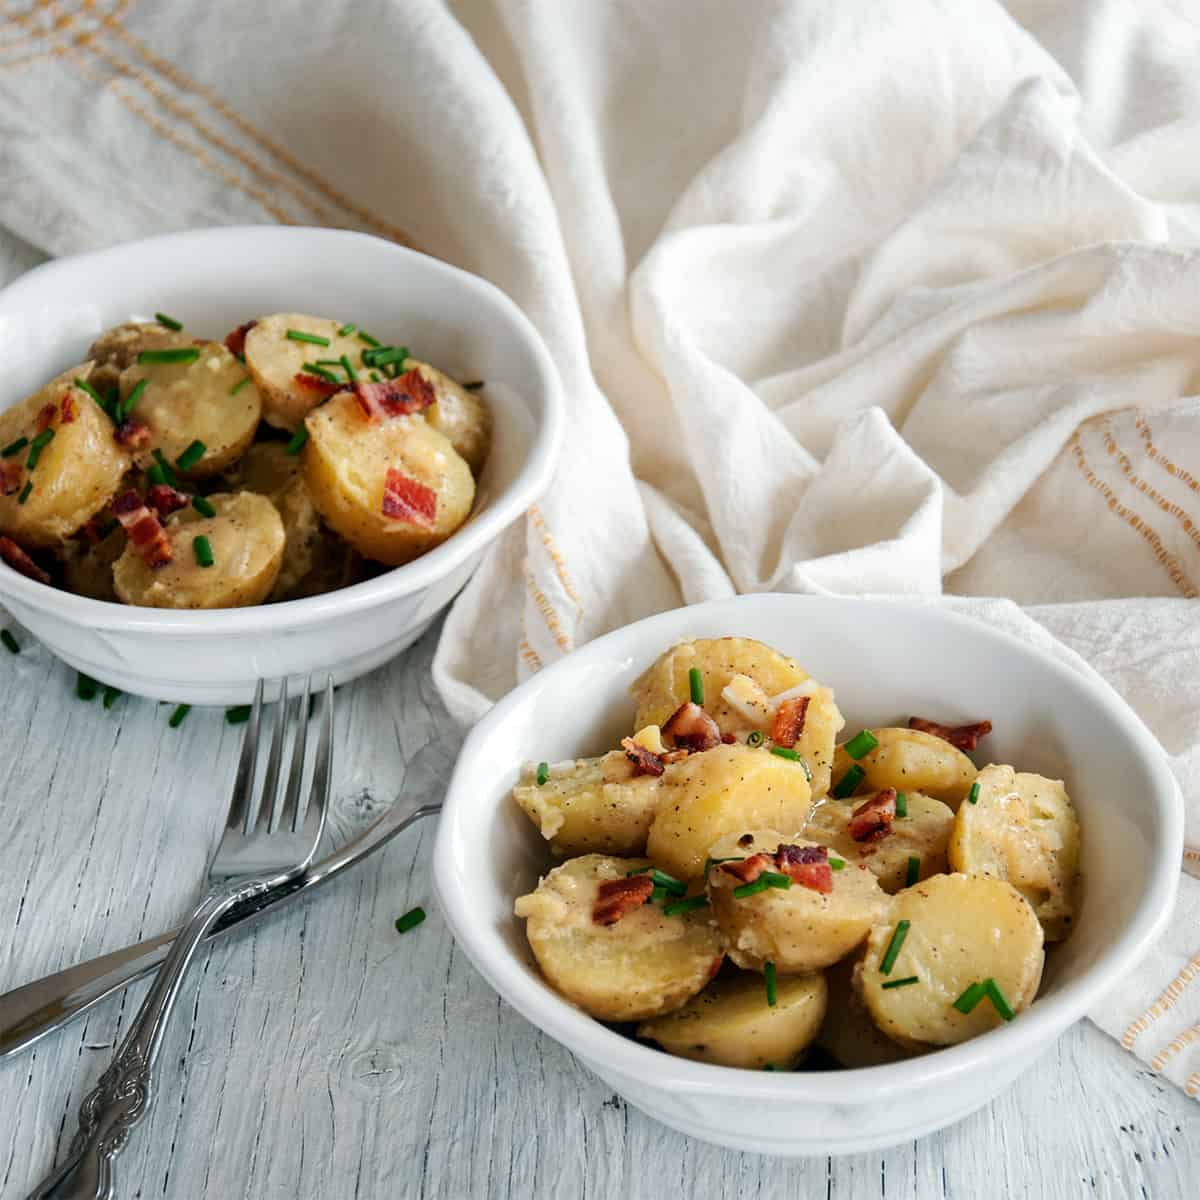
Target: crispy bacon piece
{"x": 618, "y": 897}
{"x": 68, "y": 408}
{"x": 645, "y": 762}
{"x": 235, "y": 340}
{"x": 12, "y": 475}
{"x": 45, "y": 417}
{"x": 408, "y": 499}
{"x": 409, "y": 393}
{"x": 692, "y": 727}
{"x": 314, "y": 383}
{"x": 132, "y": 434}
{"x": 144, "y": 529}
{"x": 727, "y": 739}
{"x": 20, "y": 561}
{"x": 747, "y": 870}
{"x": 789, "y": 721}
{"x": 965, "y": 737}
{"x": 872, "y": 820}
{"x": 807, "y": 866}
{"x": 165, "y": 500}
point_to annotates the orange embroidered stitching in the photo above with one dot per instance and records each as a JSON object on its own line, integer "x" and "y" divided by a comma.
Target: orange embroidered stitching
{"x": 1192, "y": 1087}
{"x": 1172, "y": 469}
{"x": 1170, "y": 994}
{"x": 530, "y": 655}
{"x": 1167, "y": 560}
{"x": 1184, "y": 1039}
{"x": 1126, "y": 465}
{"x": 560, "y": 565}
{"x": 547, "y": 610}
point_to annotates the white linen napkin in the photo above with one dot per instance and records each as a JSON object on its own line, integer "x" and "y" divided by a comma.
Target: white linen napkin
{"x": 892, "y": 297}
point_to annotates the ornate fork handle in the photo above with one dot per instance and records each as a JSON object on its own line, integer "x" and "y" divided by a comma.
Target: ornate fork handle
{"x": 125, "y": 1090}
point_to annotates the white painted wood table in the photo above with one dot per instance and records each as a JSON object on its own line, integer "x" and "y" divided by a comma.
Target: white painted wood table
{"x": 323, "y": 1055}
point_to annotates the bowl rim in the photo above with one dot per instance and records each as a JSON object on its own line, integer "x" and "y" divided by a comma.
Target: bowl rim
{"x": 594, "y": 1041}
{"x": 531, "y": 481}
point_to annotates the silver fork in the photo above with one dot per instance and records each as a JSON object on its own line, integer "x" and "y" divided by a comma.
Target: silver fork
{"x": 269, "y": 838}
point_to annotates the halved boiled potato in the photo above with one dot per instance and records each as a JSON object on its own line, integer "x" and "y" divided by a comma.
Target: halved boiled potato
{"x": 848, "y": 1033}
{"x": 963, "y": 929}
{"x": 88, "y": 570}
{"x": 247, "y": 541}
{"x": 118, "y": 348}
{"x": 204, "y": 400}
{"x": 277, "y": 363}
{"x": 458, "y": 414}
{"x": 731, "y": 1024}
{"x": 911, "y": 761}
{"x": 76, "y": 472}
{"x": 346, "y": 461}
{"x": 727, "y": 789}
{"x": 641, "y": 966}
{"x": 797, "y": 928}
{"x": 1022, "y": 828}
{"x": 591, "y": 804}
{"x": 923, "y": 834}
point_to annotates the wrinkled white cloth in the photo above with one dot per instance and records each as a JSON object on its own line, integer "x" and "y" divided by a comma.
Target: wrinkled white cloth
{"x": 890, "y": 297}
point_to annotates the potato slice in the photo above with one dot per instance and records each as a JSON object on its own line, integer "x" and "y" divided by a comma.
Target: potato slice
{"x": 642, "y": 966}
{"x": 458, "y": 414}
{"x": 848, "y": 1033}
{"x": 345, "y": 464}
{"x": 77, "y": 471}
{"x": 911, "y": 761}
{"x": 1023, "y": 828}
{"x": 275, "y": 361}
{"x": 798, "y": 929}
{"x": 88, "y": 570}
{"x": 962, "y": 929}
{"x": 728, "y": 789}
{"x": 591, "y": 805}
{"x": 923, "y": 834}
{"x": 731, "y": 1024}
{"x": 247, "y": 542}
{"x": 204, "y": 400}
{"x": 118, "y": 348}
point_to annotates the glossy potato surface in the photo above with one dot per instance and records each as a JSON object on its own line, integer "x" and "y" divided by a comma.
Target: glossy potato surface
{"x": 118, "y": 348}
{"x": 911, "y": 761}
{"x": 458, "y": 414}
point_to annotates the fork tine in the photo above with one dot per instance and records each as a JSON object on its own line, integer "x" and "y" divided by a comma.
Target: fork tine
{"x": 241, "y": 803}
{"x": 268, "y": 805}
{"x": 291, "y": 801}
{"x": 322, "y": 777}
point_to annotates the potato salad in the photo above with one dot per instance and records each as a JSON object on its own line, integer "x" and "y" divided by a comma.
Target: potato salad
{"x": 740, "y": 884}
{"x": 298, "y": 455}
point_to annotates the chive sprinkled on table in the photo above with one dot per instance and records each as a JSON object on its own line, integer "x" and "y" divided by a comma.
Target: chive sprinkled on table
{"x": 85, "y": 687}
{"x": 14, "y": 447}
{"x": 202, "y": 548}
{"x": 892, "y": 952}
{"x": 239, "y": 714}
{"x": 168, "y": 322}
{"x": 10, "y": 642}
{"x": 863, "y": 742}
{"x": 905, "y": 982}
{"x": 241, "y": 383}
{"x": 39, "y": 443}
{"x": 691, "y": 904}
{"x": 179, "y": 715}
{"x": 848, "y": 782}
{"x": 973, "y": 794}
{"x": 769, "y": 977}
{"x": 901, "y": 804}
{"x": 543, "y": 773}
{"x": 176, "y": 354}
{"x": 203, "y": 506}
{"x": 696, "y": 685}
{"x": 25, "y": 491}
{"x": 999, "y": 1001}
{"x": 755, "y": 738}
{"x": 124, "y": 409}
{"x": 111, "y": 696}
{"x": 191, "y": 456}
{"x": 913, "y": 873}
{"x": 296, "y": 441}
{"x": 410, "y": 920}
{"x": 313, "y": 339}
{"x": 971, "y": 997}
{"x": 784, "y": 752}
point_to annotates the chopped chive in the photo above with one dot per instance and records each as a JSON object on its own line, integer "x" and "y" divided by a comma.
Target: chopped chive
{"x": 84, "y": 386}
{"x": 754, "y": 738}
{"x": 691, "y": 904}
{"x": 168, "y": 471}
{"x": 971, "y": 997}
{"x": 999, "y": 1000}
{"x": 320, "y": 372}
{"x": 913, "y": 874}
{"x": 191, "y": 456}
{"x": 861, "y": 743}
{"x": 85, "y": 687}
{"x": 385, "y": 356}
{"x": 777, "y": 879}
{"x": 751, "y": 889}
{"x": 329, "y": 362}
{"x": 895, "y": 983}
{"x": 784, "y": 752}
{"x": 901, "y": 804}
{"x": 168, "y": 322}
{"x": 239, "y": 714}
{"x": 374, "y": 376}
{"x": 346, "y": 330}
{"x": 111, "y": 696}
{"x": 364, "y": 336}
{"x": 178, "y": 354}
{"x": 14, "y": 447}
{"x": 202, "y": 548}
{"x": 36, "y": 447}
{"x": 973, "y": 794}
{"x": 350, "y": 371}
{"x": 848, "y": 782}
{"x": 837, "y": 864}
{"x": 658, "y": 894}
{"x": 769, "y": 976}
{"x": 297, "y": 440}
{"x": 203, "y": 507}
{"x": 25, "y": 491}
{"x": 675, "y": 886}
{"x": 241, "y": 383}
{"x": 179, "y": 715}
{"x": 696, "y": 685}
{"x": 298, "y": 335}
{"x": 124, "y": 408}
{"x": 893, "y": 950}
{"x": 543, "y": 773}
{"x": 473, "y": 386}
{"x": 155, "y": 474}
{"x": 410, "y": 920}
{"x": 637, "y": 871}
{"x": 10, "y": 642}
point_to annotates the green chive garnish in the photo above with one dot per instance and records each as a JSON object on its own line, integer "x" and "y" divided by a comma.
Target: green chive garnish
{"x": 973, "y": 794}
{"x": 374, "y": 376}
{"x": 203, "y": 551}
{"x": 179, "y": 715}
{"x": 751, "y": 889}
{"x": 84, "y": 386}
{"x": 543, "y": 773}
{"x": 111, "y": 696}
{"x": 85, "y": 687}
{"x": 350, "y": 371}
{"x": 155, "y": 474}
{"x": 203, "y": 507}
{"x": 999, "y": 1001}
{"x": 658, "y": 894}
{"x": 901, "y": 804}
{"x": 364, "y": 336}
{"x": 637, "y": 871}
{"x": 37, "y": 446}
{"x": 893, "y": 950}
{"x": 10, "y": 642}
{"x": 895, "y": 983}
{"x": 14, "y": 447}
{"x": 320, "y": 372}
{"x": 678, "y": 907}
{"x": 971, "y": 997}
{"x": 329, "y": 362}
{"x": 178, "y": 354}
{"x": 168, "y": 472}
{"x": 346, "y": 330}
{"x": 296, "y": 443}
{"x": 676, "y": 886}
{"x": 168, "y": 322}
{"x": 914, "y": 871}
{"x": 385, "y": 356}
{"x": 784, "y": 752}
{"x": 837, "y": 864}
{"x": 191, "y": 456}
{"x": 769, "y": 976}
{"x": 861, "y": 743}
{"x": 473, "y": 386}
{"x": 755, "y": 738}
{"x": 848, "y": 782}
{"x": 25, "y": 491}
{"x": 410, "y": 920}
{"x": 237, "y": 387}
{"x": 124, "y": 409}
{"x": 298, "y": 335}
{"x": 777, "y": 879}
{"x": 239, "y": 714}
{"x": 696, "y": 685}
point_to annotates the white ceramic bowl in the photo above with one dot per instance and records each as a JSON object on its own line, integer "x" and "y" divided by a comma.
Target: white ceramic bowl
{"x": 885, "y": 661}
{"x": 212, "y": 280}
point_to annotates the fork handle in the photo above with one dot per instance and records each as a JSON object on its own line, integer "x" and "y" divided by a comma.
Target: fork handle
{"x": 126, "y": 1089}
